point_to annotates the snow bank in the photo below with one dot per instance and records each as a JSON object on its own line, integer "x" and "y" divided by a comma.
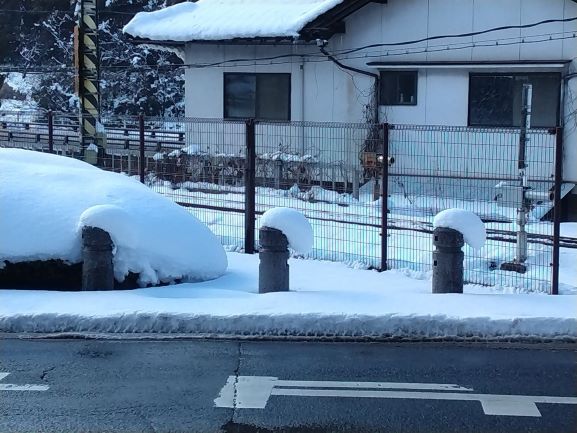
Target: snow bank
{"x": 228, "y": 19}
{"x": 464, "y": 221}
{"x": 293, "y": 224}
{"x": 46, "y": 200}
{"x": 326, "y": 300}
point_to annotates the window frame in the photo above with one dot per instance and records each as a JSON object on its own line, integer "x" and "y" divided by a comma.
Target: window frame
{"x": 515, "y": 74}
{"x": 412, "y": 72}
{"x": 256, "y": 75}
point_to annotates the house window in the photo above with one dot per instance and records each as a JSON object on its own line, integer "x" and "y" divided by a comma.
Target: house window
{"x": 257, "y": 96}
{"x": 495, "y": 99}
{"x": 399, "y": 87}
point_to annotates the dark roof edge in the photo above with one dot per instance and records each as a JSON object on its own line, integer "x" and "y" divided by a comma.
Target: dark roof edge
{"x": 328, "y": 24}
{"x": 470, "y": 63}
{"x": 281, "y": 40}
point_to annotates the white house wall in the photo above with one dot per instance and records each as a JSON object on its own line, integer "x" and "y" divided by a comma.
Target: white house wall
{"x": 323, "y": 92}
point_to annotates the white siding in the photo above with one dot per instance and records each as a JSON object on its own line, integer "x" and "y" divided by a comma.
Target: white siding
{"x": 323, "y": 92}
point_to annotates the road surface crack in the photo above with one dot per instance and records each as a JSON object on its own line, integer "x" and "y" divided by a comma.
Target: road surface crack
{"x": 45, "y": 372}
{"x": 236, "y": 375}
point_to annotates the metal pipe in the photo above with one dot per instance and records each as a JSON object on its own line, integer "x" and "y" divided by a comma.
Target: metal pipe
{"x": 384, "y": 198}
{"x": 250, "y": 190}
{"x": 141, "y": 146}
{"x": 527, "y": 97}
{"x": 376, "y": 77}
{"x": 557, "y": 210}
{"x": 50, "y": 131}
{"x": 523, "y": 209}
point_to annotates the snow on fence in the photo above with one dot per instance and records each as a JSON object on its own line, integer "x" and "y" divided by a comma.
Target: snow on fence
{"x": 228, "y": 173}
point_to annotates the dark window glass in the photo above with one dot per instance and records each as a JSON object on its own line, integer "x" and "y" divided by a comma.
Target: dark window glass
{"x": 239, "y": 95}
{"x": 399, "y": 88}
{"x": 260, "y": 96}
{"x": 495, "y": 99}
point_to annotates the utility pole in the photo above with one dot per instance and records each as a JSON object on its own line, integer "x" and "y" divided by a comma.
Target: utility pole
{"x": 87, "y": 62}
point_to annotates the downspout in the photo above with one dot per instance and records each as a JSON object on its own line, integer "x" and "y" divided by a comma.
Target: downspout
{"x": 359, "y": 71}
{"x": 303, "y": 117}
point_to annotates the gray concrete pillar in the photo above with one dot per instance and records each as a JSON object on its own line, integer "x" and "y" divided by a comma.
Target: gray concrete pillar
{"x": 447, "y": 261}
{"x": 97, "y": 268}
{"x": 356, "y": 180}
{"x": 273, "y": 268}
{"x": 277, "y": 173}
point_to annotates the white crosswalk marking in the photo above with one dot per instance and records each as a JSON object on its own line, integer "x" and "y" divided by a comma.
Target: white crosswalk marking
{"x": 253, "y": 392}
{"x": 26, "y": 387}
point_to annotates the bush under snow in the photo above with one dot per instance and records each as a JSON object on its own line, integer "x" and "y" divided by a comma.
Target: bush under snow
{"x": 47, "y": 199}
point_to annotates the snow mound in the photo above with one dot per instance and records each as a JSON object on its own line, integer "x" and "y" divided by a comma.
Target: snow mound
{"x": 46, "y": 200}
{"x": 295, "y": 226}
{"x": 464, "y": 221}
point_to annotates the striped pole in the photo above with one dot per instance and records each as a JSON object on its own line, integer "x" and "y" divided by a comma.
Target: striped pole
{"x": 88, "y": 62}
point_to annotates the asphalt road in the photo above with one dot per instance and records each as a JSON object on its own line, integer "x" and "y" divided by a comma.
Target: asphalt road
{"x": 180, "y": 386}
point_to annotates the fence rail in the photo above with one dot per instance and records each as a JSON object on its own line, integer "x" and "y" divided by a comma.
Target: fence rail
{"x": 230, "y": 172}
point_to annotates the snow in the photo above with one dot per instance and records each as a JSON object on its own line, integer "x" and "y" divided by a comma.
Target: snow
{"x": 326, "y": 299}
{"x": 46, "y": 200}
{"x": 288, "y": 157}
{"x": 347, "y": 229}
{"x": 465, "y": 222}
{"x": 190, "y": 149}
{"x": 228, "y": 19}
{"x": 294, "y": 226}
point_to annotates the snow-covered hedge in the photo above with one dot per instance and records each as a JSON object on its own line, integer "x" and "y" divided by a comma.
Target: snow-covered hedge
{"x": 46, "y": 200}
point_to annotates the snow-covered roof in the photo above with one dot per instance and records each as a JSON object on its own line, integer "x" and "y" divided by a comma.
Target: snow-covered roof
{"x": 228, "y": 19}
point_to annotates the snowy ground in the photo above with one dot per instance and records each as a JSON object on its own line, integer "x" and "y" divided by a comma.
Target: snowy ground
{"x": 326, "y": 299}
{"x": 351, "y": 233}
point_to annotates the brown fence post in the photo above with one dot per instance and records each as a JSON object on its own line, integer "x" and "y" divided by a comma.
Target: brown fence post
{"x": 141, "y": 146}
{"x": 557, "y": 209}
{"x": 384, "y": 196}
{"x": 249, "y": 187}
{"x": 50, "y": 131}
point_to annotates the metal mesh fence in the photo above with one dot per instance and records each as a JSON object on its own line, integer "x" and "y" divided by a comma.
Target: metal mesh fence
{"x": 438, "y": 168}
{"x": 333, "y": 174}
{"x": 315, "y": 168}
{"x": 200, "y": 164}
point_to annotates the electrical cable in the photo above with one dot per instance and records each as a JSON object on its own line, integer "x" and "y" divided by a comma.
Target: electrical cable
{"x": 461, "y": 35}
{"x": 315, "y": 57}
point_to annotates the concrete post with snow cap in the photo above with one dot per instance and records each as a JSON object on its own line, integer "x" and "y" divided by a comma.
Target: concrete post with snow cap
{"x": 273, "y": 275}
{"x": 97, "y": 267}
{"x": 452, "y": 229}
{"x": 447, "y": 261}
{"x": 281, "y": 228}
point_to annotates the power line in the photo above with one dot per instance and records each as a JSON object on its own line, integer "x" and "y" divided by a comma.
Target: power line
{"x": 404, "y": 43}
{"x": 461, "y": 35}
{"x": 319, "y": 57}
{"x": 61, "y": 11}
